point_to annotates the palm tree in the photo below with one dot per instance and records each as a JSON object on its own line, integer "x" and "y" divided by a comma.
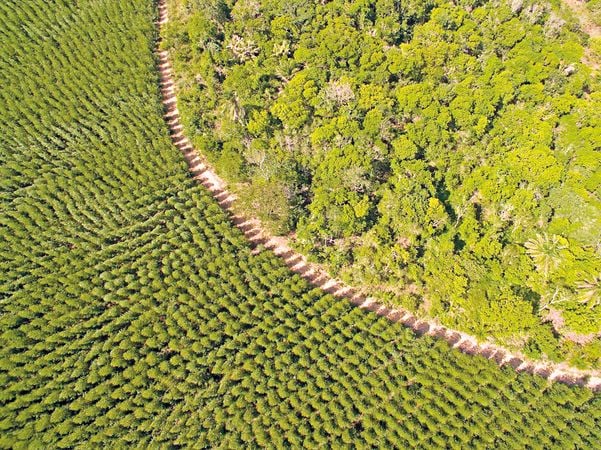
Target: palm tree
{"x": 546, "y": 252}
{"x": 590, "y": 291}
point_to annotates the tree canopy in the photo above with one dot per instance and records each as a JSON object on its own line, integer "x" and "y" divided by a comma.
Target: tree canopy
{"x": 445, "y": 155}
{"x": 134, "y": 314}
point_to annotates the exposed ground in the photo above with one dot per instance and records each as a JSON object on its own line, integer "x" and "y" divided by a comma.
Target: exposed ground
{"x": 587, "y": 24}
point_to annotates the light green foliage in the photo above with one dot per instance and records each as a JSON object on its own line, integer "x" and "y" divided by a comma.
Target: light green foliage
{"x": 293, "y": 107}
{"x": 547, "y": 252}
{"x": 340, "y": 204}
{"x": 406, "y": 126}
{"x": 269, "y": 201}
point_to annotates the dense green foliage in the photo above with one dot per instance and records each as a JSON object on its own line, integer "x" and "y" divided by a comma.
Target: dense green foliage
{"x": 133, "y": 314}
{"x": 444, "y": 154}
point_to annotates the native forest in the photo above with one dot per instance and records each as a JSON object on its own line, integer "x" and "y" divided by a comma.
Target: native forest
{"x": 300, "y": 224}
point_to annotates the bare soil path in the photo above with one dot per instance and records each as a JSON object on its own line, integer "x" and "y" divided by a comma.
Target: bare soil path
{"x": 317, "y": 276}
{"x": 587, "y": 24}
